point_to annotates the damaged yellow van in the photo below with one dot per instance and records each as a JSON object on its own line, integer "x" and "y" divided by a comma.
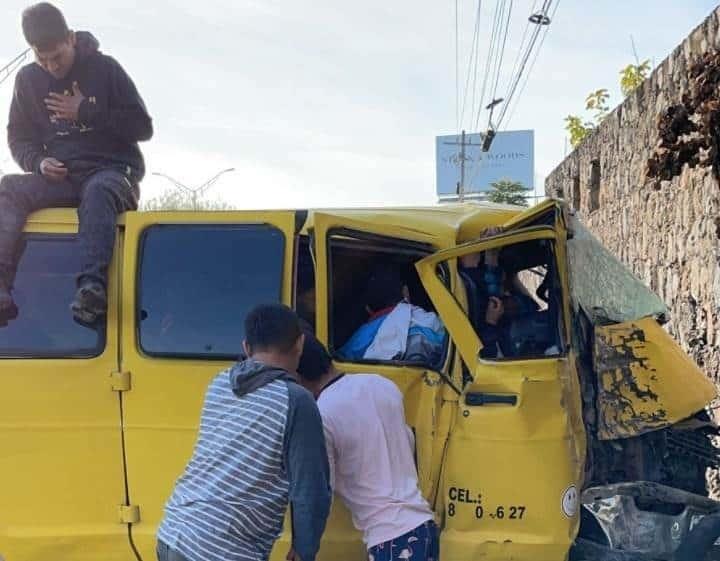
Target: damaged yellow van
{"x": 582, "y": 436}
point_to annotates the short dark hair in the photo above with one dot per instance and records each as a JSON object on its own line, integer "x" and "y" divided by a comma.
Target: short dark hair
{"x": 384, "y": 288}
{"x": 44, "y": 26}
{"x": 272, "y": 327}
{"x": 315, "y": 361}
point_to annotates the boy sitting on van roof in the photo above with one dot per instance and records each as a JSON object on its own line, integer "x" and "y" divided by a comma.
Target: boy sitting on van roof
{"x": 75, "y": 122}
{"x": 395, "y": 330}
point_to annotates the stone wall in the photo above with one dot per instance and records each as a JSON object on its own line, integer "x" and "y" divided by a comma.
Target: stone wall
{"x": 668, "y": 232}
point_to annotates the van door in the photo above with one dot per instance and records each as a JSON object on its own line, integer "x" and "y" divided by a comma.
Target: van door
{"x": 61, "y": 474}
{"x": 190, "y": 279}
{"x": 337, "y": 237}
{"x": 516, "y": 451}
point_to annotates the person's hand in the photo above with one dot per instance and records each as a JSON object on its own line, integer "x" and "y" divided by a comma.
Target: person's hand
{"x": 495, "y": 310}
{"x": 65, "y": 106}
{"x": 470, "y": 261}
{"x": 53, "y": 169}
{"x": 292, "y": 556}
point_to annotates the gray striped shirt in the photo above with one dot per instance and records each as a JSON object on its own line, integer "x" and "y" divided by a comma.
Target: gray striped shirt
{"x": 230, "y": 502}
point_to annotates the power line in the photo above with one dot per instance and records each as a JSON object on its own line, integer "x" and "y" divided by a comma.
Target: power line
{"x": 502, "y": 51}
{"x": 541, "y": 20}
{"x": 488, "y": 60}
{"x": 522, "y": 41}
{"x": 477, "y": 58}
{"x": 534, "y": 60}
{"x": 474, "y": 52}
{"x": 457, "y": 69}
{"x": 515, "y": 80}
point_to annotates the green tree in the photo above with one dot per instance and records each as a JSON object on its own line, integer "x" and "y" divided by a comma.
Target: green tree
{"x": 632, "y": 76}
{"x": 597, "y": 102}
{"x": 176, "y": 199}
{"x": 577, "y": 129}
{"x": 508, "y": 192}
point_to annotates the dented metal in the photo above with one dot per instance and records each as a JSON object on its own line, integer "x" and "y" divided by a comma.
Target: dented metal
{"x": 652, "y": 530}
{"x": 645, "y": 381}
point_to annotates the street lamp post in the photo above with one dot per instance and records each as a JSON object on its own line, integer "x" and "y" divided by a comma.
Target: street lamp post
{"x": 197, "y": 191}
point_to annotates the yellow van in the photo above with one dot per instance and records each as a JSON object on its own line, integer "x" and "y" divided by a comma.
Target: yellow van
{"x": 587, "y": 440}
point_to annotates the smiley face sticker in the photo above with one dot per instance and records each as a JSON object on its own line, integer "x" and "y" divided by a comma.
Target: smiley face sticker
{"x": 569, "y": 502}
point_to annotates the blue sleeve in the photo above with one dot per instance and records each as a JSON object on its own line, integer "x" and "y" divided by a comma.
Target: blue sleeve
{"x": 492, "y": 278}
{"x": 25, "y": 142}
{"x": 355, "y": 347}
{"x": 306, "y": 462}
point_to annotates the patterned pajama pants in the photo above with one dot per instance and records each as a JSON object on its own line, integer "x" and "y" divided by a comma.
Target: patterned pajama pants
{"x": 420, "y": 544}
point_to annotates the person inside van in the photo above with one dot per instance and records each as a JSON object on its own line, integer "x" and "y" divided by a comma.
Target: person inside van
{"x": 508, "y": 321}
{"x": 395, "y": 329}
{"x": 75, "y": 122}
{"x": 371, "y": 456}
{"x": 260, "y": 447}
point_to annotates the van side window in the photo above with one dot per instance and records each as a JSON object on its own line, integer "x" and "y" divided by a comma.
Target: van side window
{"x": 43, "y": 289}
{"x": 514, "y": 300}
{"x": 197, "y": 283}
{"x": 379, "y": 310}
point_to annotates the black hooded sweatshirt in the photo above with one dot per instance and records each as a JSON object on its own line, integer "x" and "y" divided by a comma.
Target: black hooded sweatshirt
{"x": 112, "y": 117}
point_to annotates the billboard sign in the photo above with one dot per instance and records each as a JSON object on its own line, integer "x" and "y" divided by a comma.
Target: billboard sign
{"x": 511, "y": 156}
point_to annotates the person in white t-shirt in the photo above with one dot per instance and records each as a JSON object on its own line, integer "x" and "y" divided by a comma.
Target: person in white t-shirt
{"x": 371, "y": 454}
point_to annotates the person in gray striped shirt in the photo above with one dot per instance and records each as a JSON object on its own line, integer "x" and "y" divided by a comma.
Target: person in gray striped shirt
{"x": 260, "y": 447}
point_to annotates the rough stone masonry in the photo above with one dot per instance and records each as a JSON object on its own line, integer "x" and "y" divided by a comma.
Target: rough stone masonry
{"x": 640, "y": 196}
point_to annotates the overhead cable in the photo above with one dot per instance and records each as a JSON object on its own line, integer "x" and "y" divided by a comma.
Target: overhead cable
{"x": 532, "y": 64}
{"x": 489, "y": 60}
{"x": 472, "y": 65}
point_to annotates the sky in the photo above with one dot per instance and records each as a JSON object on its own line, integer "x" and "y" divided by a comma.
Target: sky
{"x": 320, "y": 103}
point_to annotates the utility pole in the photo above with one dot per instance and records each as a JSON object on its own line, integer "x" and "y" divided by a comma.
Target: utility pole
{"x": 460, "y": 186}
{"x": 197, "y": 191}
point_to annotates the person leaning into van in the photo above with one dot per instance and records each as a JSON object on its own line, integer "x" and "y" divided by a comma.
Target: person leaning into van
{"x": 75, "y": 122}
{"x": 260, "y": 446}
{"x": 371, "y": 453}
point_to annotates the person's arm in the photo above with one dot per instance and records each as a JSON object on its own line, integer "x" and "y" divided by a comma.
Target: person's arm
{"x": 126, "y": 115}
{"x": 26, "y": 147}
{"x": 331, "y": 454}
{"x": 489, "y": 331}
{"x": 306, "y": 462}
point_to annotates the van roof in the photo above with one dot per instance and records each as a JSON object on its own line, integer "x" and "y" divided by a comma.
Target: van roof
{"x": 459, "y": 217}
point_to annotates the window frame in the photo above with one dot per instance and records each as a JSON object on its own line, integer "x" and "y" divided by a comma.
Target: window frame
{"x": 162, "y": 355}
{"x": 426, "y": 249}
{"x": 455, "y": 317}
{"x": 72, "y": 354}
{"x": 560, "y": 328}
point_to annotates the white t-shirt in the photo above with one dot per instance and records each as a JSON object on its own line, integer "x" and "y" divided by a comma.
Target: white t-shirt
{"x": 371, "y": 453}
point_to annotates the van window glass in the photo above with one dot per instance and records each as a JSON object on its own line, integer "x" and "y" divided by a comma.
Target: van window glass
{"x": 514, "y": 300}
{"x": 603, "y": 286}
{"x": 44, "y": 287}
{"x": 198, "y": 282}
